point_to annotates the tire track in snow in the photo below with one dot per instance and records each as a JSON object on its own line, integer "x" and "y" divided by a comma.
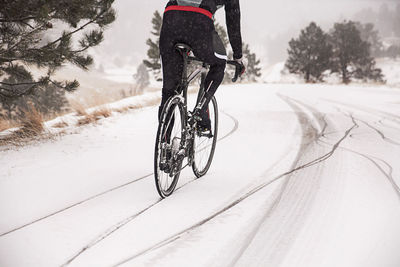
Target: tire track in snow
{"x": 372, "y": 159}
{"x": 234, "y": 129}
{"x": 125, "y": 221}
{"x": 255, "y": 190}
{"x": 388, "y": 175}
{"x": 386, "y": 115}
{"x": 118, "y": 226}
{"x": 320, "y": 117}
{"x": 301, "y": 117}
{"x": 389, "y": 140}
{"x": 75, "y": 205}
{"x": 382, "y": 123}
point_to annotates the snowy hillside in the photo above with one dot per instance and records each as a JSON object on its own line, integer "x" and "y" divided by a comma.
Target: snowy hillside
{"x": 391, "y": 70}
{"x": 303, "y": 176}
{"x": 278, "y": 74}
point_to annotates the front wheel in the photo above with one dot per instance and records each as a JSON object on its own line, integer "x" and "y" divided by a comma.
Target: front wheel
{"x": 204, "y": 145}
{"x": 169, "y": 144}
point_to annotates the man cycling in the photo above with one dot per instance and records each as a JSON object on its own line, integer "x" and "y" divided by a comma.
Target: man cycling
{"x": 191, "y": 22}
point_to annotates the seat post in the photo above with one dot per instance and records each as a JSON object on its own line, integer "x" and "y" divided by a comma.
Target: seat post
{"x": 184, "y": 49}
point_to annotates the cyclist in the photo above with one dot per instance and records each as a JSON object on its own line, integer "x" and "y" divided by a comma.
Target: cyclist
{"x": 191, "y": 22}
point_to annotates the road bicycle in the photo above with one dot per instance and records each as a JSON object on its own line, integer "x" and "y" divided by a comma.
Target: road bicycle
{"x": 178, "y": 135}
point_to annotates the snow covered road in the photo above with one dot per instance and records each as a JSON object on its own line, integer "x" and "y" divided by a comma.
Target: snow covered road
{"x": 304, "y": 175}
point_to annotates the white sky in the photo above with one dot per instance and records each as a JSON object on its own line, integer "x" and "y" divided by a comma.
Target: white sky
{"x": 125, "y": 39}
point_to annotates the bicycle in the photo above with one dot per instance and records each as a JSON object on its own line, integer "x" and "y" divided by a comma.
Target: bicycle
{"x": 178, "y": 136}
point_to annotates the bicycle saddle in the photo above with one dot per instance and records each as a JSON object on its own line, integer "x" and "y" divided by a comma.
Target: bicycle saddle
{"x": 183, "y": 48}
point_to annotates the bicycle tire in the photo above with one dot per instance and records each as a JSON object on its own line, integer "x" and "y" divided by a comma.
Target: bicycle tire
{"x": 174, "y": 104}
{"x": 198, "y": 169}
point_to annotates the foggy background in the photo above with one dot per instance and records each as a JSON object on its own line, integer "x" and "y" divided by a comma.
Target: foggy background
{"x": 267, "y": 25}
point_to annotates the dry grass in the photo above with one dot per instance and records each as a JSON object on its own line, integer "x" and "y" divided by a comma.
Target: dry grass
{"x": 88, "y": 119}
{"x": 90, "y": 99}
{"x": 31, "y": 124}
{"x": 79, "y": 108}
{"x": 31, "y": 128}
{"x": 4, "y": 124}
{"x": 134, "y": 106}
{"x": 94, "y": 116}
{"x": 154, "y": 102}
{"x": 102, "y": 112}
{"x": 121, "y": 110}
{"x": 61, "y": 124}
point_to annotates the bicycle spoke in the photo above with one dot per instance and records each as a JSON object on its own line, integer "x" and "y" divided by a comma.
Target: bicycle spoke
{"x": 170, "y": 138}
{"x": 204, "y": 146}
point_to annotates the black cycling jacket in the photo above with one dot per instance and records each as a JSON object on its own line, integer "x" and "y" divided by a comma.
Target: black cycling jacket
{"x": 232, "y": 11}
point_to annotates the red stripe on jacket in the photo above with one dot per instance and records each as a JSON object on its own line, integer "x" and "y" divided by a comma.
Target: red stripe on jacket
{"x": 191, "y": 9}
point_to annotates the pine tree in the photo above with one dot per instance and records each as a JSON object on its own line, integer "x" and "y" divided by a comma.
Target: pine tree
{"x": 153, "y": 53}
{"x": 351, "y": 55}
{"x": 222, "y": 33}
{"x": 24, "y": 27}
{"x": 252, "y": 68}
{"x": 309, "y": 55}
{"x": 141, "y": 78}
{"x": 48, "y": 100}
{"x": 371, "y": 36}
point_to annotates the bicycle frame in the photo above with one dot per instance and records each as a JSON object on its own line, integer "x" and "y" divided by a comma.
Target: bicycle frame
{"x": 186, "y": 80}
{"x": 185, "y": 144}
{"x": 183, "y": 88}
{"x": 184, "y": 50}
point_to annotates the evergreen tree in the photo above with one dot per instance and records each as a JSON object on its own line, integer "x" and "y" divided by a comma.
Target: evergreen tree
{"x": 222, "y": 34}
{"x": 153, "y": 53}
{"x": 24, "y": 25}
{"x": 252, "y": 68}
{"x": 48, "y": 100}
{"x": 309, "y": 55}
{"x": 371, "y": 36}
{"x": 351, "y": 55}
{"x": 141, "y": 78}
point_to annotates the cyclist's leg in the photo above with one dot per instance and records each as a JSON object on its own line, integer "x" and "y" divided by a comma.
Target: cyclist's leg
{"x": 171, "y": 60}
{"x": 211, "y": 50}
{"x": 172, "y": 72}
{"x": 172, "y": 65}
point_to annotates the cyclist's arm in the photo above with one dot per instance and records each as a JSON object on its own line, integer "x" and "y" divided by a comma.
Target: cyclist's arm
{"x": 232, "y": 10}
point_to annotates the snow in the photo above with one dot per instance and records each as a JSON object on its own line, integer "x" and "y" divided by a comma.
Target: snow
{"x": 277, "y": 73}
{"x": 120, "y": 74}
{"x": 390, "y": 68}
{"x": 303, "y": 175}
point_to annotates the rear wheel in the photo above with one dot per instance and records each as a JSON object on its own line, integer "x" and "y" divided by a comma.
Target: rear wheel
{"x": 169, "y": 144}
{"x": 204, "y": 145}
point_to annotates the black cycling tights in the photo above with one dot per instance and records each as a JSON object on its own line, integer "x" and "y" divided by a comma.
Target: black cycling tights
{"x": 197, "y": 31}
